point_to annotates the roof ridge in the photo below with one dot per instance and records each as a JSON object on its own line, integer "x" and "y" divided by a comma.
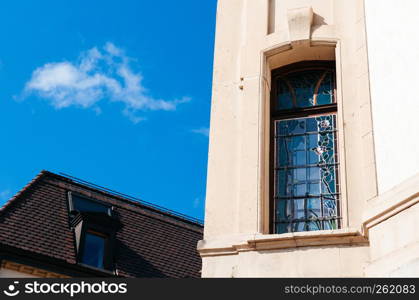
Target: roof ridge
{"x": 129, "y": 199}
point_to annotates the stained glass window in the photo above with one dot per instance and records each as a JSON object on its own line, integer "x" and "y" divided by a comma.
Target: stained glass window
{"x": 305, "y": 89}
{"x": 306, "y": 165}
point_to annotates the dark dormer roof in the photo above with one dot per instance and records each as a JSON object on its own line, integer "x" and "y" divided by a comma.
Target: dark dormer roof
{"x": 151, "y": 241}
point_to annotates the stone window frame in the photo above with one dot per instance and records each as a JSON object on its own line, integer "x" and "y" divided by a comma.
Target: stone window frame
{"x": 297, "y": 113}
{"x": 276, "y": 57}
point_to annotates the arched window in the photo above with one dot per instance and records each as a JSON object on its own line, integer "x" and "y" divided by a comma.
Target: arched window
{"x": 305, "y": 190}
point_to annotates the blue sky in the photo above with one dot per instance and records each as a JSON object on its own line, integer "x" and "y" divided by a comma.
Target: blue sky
{"x": 113, "y": 92}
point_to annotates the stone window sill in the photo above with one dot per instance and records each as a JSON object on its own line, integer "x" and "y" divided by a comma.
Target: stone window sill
{"x": 262, "y": 242}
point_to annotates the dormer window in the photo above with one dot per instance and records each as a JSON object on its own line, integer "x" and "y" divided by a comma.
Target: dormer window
{"x": 94, "y": 249}
{"x": 82, "y": 204}
{"x": 94, "y": 227}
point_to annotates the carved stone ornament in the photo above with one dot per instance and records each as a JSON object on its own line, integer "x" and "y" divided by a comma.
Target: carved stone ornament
{"x": 299, "y": 24}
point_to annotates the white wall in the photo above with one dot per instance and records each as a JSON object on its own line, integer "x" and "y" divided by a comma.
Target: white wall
{"x": 393, "y": 46}
{"x": 394, "y": 245}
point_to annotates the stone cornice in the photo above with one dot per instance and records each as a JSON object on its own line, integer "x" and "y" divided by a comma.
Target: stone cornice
{"x": 391, "y": 203}
{"x": 261, "y": 242}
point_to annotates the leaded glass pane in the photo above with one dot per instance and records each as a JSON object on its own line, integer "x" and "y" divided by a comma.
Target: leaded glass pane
{"x": 329, "y": 207}
{"x": 298, "y": 142}
{"x": 284, "y": 150}
{"x": 300, "y": 175}
{"x": 284, "y": 210}
{"x": 299, "y": 158}
{"x": 300, "y": 189}
{"x": 305, "y": 89}
{"x": 282, "y": 227}
{"x": 284, "y": 184}
{"x": 285, "y": 99}
{"x": 314, "y": 225}
{"x": 325, "y": 92}
{"x": 304, "y": 86}
{"x": 314, "y": 189}
{"x": 299, "y": 209}
{"x": 299, "y": 226}
{"x": 330, "y": 224}
{"x": 306, "y": 189}
{"x": 314, "y": 209}
{"x": 329, "y": 182}
{"x": 314, "y": 174}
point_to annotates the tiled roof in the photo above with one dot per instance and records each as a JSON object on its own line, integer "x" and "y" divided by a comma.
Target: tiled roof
{"x": 150, "y": 243}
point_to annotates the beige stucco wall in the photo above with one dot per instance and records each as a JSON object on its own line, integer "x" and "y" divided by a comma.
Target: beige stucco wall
{"x": 335, "y": 261}
{"x": 391, "y": 223}
{"x": 395, "y": 246}
{"x": 236, "y": 238}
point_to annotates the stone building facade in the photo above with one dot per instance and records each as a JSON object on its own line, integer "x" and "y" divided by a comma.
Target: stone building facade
{"x": 260, "y": 223}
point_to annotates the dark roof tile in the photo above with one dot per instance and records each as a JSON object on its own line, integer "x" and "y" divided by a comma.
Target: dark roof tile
{"x": 150, "y": 243}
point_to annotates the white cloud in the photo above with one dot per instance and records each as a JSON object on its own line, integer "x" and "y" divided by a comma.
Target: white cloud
{"x": 203, "y": 130}
{"x": 98, "y": 74}
{"x": 133, "y": 117}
